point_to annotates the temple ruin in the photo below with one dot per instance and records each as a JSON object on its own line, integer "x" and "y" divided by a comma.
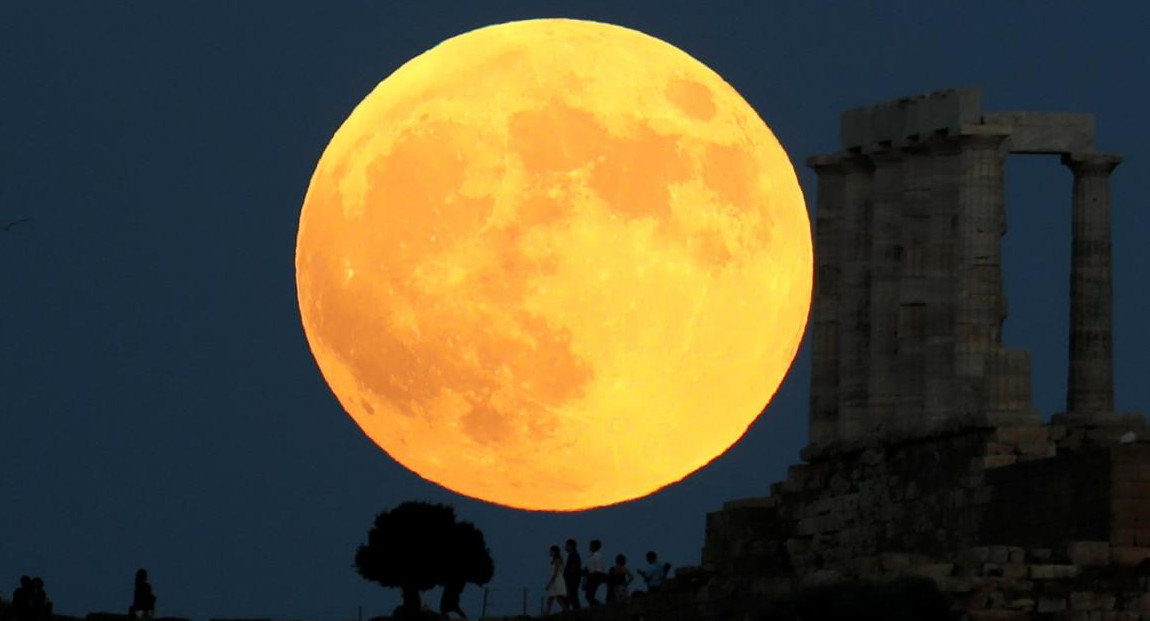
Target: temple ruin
{"x": 906, "y": 326}
{"x": 926, "y": 456}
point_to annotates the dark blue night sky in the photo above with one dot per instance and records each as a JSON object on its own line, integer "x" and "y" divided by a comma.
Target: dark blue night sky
{"x": 159, "y": 406}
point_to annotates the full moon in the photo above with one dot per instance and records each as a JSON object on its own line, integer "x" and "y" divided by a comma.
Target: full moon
{"x": 554, "y": 264}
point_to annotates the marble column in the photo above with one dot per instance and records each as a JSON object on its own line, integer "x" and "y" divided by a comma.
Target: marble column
{"x": 940, "y": 263}
{"x": 1090, "y": 382}
{"x": 854, "y": 298}
{"x": 979, "y": 303}
{"x": 824, "y": 398}
{"x": 883, "y": 381}
{"x": 913, "y": 286}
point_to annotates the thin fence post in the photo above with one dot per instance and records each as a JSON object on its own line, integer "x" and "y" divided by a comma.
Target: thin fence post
{"x": 483, "y": 607}
{"x": 524, "y": 601}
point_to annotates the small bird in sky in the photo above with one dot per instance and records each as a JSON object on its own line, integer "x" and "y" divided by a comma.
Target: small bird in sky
{"x": 8, "y": 227}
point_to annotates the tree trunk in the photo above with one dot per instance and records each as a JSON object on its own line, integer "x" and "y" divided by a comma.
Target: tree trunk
{"x": 412, "y": 605}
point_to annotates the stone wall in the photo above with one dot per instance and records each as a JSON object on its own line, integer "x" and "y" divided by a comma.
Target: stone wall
{"x": 1005, "y": 524}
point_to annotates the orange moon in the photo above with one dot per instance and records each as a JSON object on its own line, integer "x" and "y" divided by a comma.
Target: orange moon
{"x": 554, "y": 264}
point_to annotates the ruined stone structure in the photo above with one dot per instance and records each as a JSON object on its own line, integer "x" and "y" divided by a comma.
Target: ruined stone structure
{"x": 925, "y": 453}
{"x": 907, "y": 317}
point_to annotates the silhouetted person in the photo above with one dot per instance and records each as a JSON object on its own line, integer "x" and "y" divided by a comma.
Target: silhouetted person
{"x": 573, "y": 574}
{"x": 618, "y": 579}
{"x": 39, "y": 606}
{"x": 596, "y": 573}
{"x": 654, "y": 573}
{"x": 556, "y": 589}
{"x": 22, "y": 599}
{"x": 449, "y": 601}
{"x": 143, "y": 600}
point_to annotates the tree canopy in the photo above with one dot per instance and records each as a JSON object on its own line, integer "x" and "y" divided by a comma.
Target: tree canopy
{"x": 417, "y": 546}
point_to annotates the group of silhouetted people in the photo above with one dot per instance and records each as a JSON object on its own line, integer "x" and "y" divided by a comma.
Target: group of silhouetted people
{"x": 30, "y": 601}
{"x": 568, "y": 575}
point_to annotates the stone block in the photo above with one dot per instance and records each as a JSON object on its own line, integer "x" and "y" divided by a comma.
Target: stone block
{"x": 994, "y": 461}
{"x": 861, "y": 565}
{"x": 999, "y": 615}
{"x": 1051, "y": 604}
{"x": 1122, "y": 536}
{"x": 1013, "y": 418}
{"x": 1046, "y": 132}
{"x": 1015, "y": 571}
{"x": 1128, "y": 555}
{"x": 1053, "y": 572}
{"x": 1089, "y": 553}
{"x": 999, "y": 448}
{"x": 999, "y": 554}
{"x": 1022, "y": 434}
{"x": 986, "y": 599}
{"x": 1016, "y": 555}
{"x": 1024, "y": 603}
{"x": 795, "y": 546}
{"x": 1130, "y": 512}
{"x": 1120, "y": 615}
{"x": 1125, "y": 472}
{"x": 955, "y": 585}
{"x": 1040, "y": 555}
{"x": 934, "y": 570}
{"x": 1129, "y": 490}
{"x": 1041, "y": 448}
{"x": 1065, "y": 572}
{"x": 893, "y": 561}
{"x": 1085, "y": 600}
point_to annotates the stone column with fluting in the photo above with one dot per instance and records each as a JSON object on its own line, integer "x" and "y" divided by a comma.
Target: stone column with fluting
{"x": 978, "y": 308}
{"x": 824, "y": 398}
{"x": 884, "y": 383}
{"x": 854, "y": 298}
{"x": 1090, "y": 382}
{"x": 940, "y": 263}
{"x": 913, "y": 294}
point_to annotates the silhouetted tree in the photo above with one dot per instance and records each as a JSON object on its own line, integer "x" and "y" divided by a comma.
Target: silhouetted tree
{"x": 417, "y": 546}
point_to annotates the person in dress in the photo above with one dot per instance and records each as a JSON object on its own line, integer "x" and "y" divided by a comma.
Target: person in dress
{"x": 556, "y": 589}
